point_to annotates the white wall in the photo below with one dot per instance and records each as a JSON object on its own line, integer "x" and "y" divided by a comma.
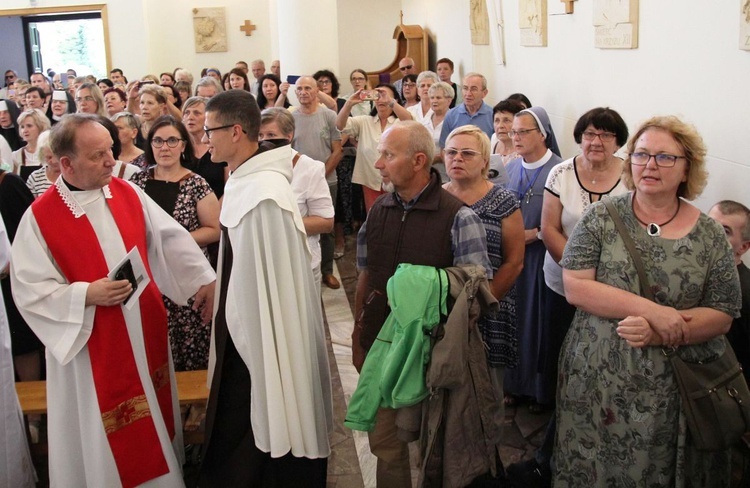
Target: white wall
{"x": 687, "y": 64}
{"x": 366, "y": 36}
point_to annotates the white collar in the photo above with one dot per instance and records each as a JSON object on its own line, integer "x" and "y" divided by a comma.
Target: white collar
{"x": 71, "y": 201}
{"x": 537, "y": 164}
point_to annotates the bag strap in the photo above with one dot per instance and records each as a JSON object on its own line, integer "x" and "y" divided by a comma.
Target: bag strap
{"x": 630, "y": 246}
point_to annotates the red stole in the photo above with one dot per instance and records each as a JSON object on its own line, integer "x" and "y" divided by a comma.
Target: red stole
{"x": 126, "y": 414}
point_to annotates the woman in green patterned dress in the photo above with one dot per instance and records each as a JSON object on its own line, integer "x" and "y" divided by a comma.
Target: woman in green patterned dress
{"x": 620, "y": 421}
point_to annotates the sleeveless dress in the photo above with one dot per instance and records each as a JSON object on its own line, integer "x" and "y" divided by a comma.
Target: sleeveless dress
{"x": 498, "y": 328}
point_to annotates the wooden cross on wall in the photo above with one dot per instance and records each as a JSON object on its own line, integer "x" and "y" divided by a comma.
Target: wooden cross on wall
{"x": 568, "y": 6}
{"x": 248, "y": 28}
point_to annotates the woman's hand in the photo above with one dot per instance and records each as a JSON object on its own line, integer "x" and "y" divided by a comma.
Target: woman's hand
{"x": 133, "y": 89}
{"x": 637, "y": 331}
{"x": 670, "y": 324}
{"x": 284, "y": 88}
{"x": 354, "y": 98}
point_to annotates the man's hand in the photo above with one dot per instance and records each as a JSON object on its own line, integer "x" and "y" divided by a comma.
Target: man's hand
{"x": 204, "y": 301}
{"x": 106, "y": 293}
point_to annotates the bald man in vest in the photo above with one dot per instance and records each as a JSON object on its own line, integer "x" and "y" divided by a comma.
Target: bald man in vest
{"x": 113, "y": 414}
{"x": 414, "y": 207}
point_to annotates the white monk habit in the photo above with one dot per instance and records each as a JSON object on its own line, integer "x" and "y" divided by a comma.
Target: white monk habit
{"x": 79, "y": 453}
{"x": 16, "y": 469}
{"x": 273, "y": 313}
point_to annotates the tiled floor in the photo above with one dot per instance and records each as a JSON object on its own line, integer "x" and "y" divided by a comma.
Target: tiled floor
{"x": 351, "y": 464}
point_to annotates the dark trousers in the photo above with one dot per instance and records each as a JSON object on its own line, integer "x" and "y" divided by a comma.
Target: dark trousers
{"x": 231, "y": 458}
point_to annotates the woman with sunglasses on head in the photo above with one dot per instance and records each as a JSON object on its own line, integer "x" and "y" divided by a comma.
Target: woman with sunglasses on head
{"x": 467, "y": 161}
{"x": 189, "y": 199}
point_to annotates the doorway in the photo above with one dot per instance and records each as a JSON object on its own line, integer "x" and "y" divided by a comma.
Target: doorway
{"x": 68, "y": 41}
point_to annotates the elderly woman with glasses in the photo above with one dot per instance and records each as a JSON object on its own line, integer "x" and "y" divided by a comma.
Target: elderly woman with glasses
{"x": 189, "y": 199}
{"x": 571, "y": 188}
{"x": 620, "y": 418}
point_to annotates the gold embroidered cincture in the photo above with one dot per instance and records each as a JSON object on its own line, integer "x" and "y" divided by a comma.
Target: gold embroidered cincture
{"x": 160, "y": 376}
{"x": 125, "y": 414}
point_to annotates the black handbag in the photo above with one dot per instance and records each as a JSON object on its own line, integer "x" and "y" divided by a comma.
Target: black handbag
{"x": 715, "y": 395}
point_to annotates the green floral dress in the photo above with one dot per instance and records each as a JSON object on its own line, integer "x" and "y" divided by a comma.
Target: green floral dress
{"x": 619, "y": 417}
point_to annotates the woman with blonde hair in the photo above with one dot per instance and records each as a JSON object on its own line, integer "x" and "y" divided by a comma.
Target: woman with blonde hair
{"x": 89, "y": 100}
{"x": 31, "y": 123}
{"x": 620, "y": 419}
{"x": 467, "y": 160}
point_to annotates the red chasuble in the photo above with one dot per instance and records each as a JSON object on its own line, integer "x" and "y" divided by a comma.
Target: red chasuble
{"x": 125, "y": 412}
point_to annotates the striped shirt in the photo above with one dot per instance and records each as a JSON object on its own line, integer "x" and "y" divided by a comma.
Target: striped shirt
{"x": 38, "y": 182}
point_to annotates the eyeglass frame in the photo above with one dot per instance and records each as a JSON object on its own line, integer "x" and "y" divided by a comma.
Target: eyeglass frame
{"x": 603, "y": 136}
{"x": 404, "y": 68}
{"x": 87, "y": 98}
{"x": 452, "y": 152}
{"x": 158, "y": 142}
{"x": 521, "y": 133}
{"x": 208, "y": 130}
{"x": 669, "y": 157}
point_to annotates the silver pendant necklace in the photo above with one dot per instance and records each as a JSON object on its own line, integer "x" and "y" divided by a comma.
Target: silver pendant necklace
{"x": 653, "y": 229}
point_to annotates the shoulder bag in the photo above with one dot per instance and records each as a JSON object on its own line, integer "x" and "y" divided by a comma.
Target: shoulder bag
{"x": 715, "y": 395}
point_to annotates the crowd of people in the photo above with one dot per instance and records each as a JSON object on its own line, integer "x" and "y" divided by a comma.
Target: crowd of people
{"x": 220, "y": 185}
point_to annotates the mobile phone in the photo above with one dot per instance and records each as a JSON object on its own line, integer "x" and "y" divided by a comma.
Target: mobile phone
{"x": 292, "y": 79}
{"x": 369, "y": 95}
{"x": 145, "y": 82}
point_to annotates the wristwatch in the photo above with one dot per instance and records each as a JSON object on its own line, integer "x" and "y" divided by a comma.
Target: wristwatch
{"x": 539, "y": 232}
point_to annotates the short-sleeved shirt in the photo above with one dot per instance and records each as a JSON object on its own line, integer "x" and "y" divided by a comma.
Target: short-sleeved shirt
{"x": 563, "y": 182}
{"x": 313, "y": 198}
{"x": 459, "y": 116}
{"x": 314, "y": 134}
{"x": 38, "y": 182}
{"x": 366, "y": 129}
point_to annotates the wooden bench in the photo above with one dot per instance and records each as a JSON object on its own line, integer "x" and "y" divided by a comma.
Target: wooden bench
{"x": 191, "y": 388}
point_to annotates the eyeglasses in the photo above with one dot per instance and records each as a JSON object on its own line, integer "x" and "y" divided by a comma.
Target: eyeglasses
{"x": 357, "y": 79}
{"x": 171, "y": 142}
{"x": 662, "y": 160}
{"x": 520, "y": 133}
{"x": 603, "y": 136}
{"x": 87, "y": 98}
{"x": 208, "y": 130}
{"x": 465, "y": 153}
{"x": 324, "y": 82}
{"x": 409, "y": 85}
{"x": 406, "y": 68}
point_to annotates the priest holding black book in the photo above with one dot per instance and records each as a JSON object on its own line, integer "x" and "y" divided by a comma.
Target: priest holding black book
{"x": 112, "y": 402}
